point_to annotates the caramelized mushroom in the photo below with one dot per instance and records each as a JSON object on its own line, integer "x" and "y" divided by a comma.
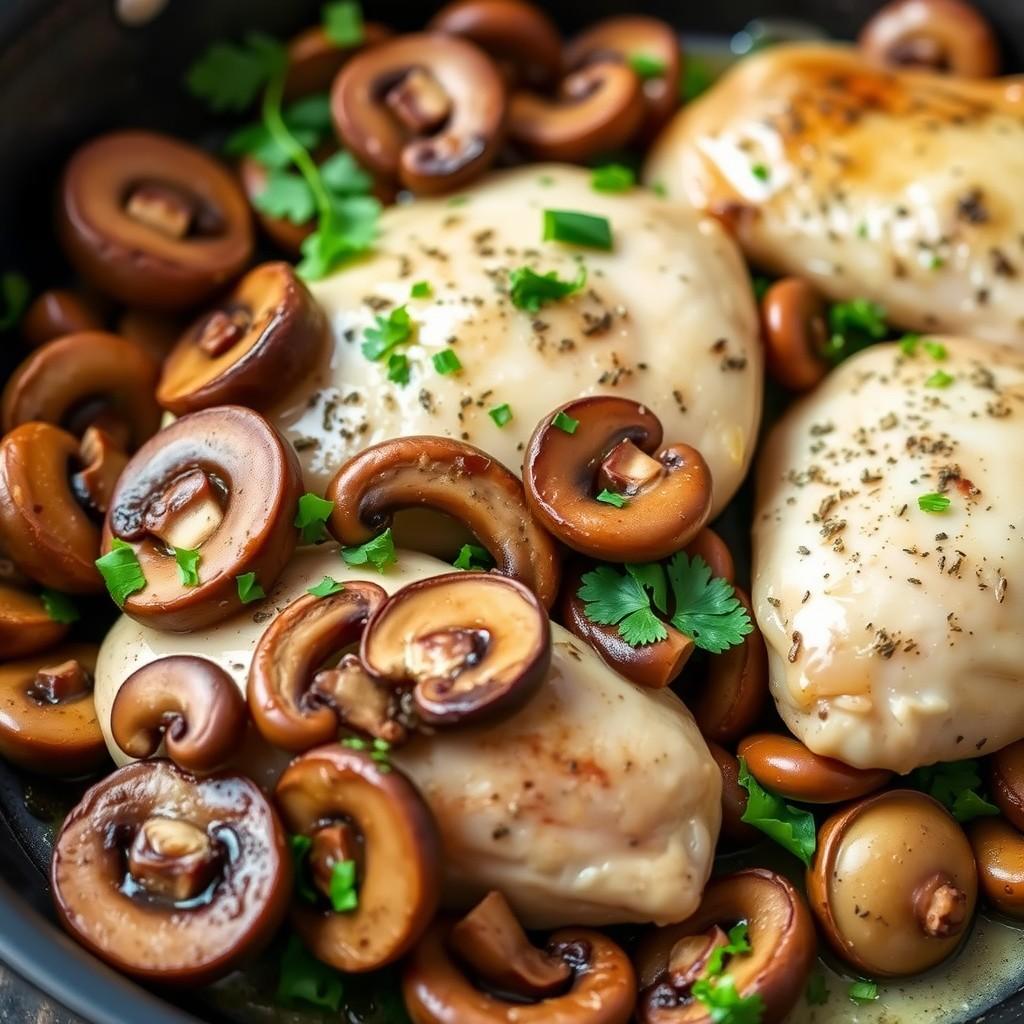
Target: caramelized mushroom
{"x": 615, "y": 446}
{"x": 399, "y": 883}
{"x": 190, "y": 703}
{"x": 599, "y": 985}
{"x": 452, "y": 477}
{"x": 294, "y": 706}
{"x": 710, "y": 547}
{"x": 471, "y": 645}
{"x": 55, "y": 313}
{"x": 781, "y": 936}
{"x": 426, "y": 110}
{"x": 314, "y": 59}
{"x": 102, "y": 462}
{"x": 84, "y": 379}
{"x": 25, "y": 626}
{"x": 937, "y": 35}
{"x": 220, "y": 481}
{"x": 252, "y": 349}
{"x": 153, "y": 221}
{"x": 893, "y": 883}
{"x": 47, "y": 718}
{"x": 999, "y": 850}
{"x": 1006, "y": 777}
{"x": 208, "y": 873}
{"x": 734, "y": 798}
{"x": 785, "y": 766}
{"x": 794, "y": 324}
{"x": 157, "y": 333}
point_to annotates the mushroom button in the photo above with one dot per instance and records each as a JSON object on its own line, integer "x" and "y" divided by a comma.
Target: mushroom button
{"x": 221, "y": 482}
{"x": 25, "y": 626}
{"x": 55, "y": 313}
{"x": 785, "y": 766}
{"x": 398, "y": 869}
{"x": 794, "y": 325}
{"x": 252, "y": 349}
{"x": 190, "y": 703}
{"x": 153, "y": 221}
{"x": 999, "y": 850}
{"x": 314, "y": 59}
{"x": 471, "y": 645}
{"x": 937, "y": 35}
{"x": 783, "y": 949}
{"x": 484, "y": 969}
{"x": 615, "y": 447}
{"x": 48, "y": 721}
{"x": 296, "y": 704}
{"x": 734, "y": 798}
{"x": 457, "y": 479}
{"x": 426, "y": 110}
{"x": 86, "y": 379}
{"x": 1006, "y": 776}
{"x": 893, "y": 883}
{"x": 208, "y": 877}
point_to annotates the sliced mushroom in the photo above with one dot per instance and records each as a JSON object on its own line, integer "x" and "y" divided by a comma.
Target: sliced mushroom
{"x": 734, "y": 798}
{"x": 55, "y": 313}
{"x": 221, "y": 481}
{"x": 189, "y": 703}
{"x": 471, "y": 645}
{"x": 86, "y": 379}
{"x": 948, "y": 36}
{"x": 781, "y": 936}
{"x": 252, "y": 349}
{"x": 25, "y": 626}
{"x": 314, "y": 59}
{"x": 157, "y": 333}
{"x": 400, "y": 882}
{"x": 602, "y": 989}
{"x": 455, "y": 478}
{"x": 153, "y": 221}
{"x": 425, "y": 110}
{"x": 893, "y": 883}
{"x": 714, "y": 551}
{"x": 208, "y": 873}
{"x": 294, "y": 706}
{"x": 794, "y": 324}
{"x": 1006, "y": 776}
{"x": 615, "y": 446}
{"x": 102, "y": 463}
{"x": 999, "y": 851}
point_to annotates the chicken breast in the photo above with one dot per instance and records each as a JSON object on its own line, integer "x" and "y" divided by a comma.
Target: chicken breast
{"x": 896, "y": 186}
{"x": 666, "y": 318}
{"x": 889, "y": 556}
{"x": 597, "y": 803}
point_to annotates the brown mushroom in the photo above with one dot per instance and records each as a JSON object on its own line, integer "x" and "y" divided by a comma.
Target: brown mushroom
{"x": 102, "y": 462}
{"x": 55, "y": 313}
{"x": 221, "y": 481}
{"x": 948, "y": 36}
{"x": 471, "y": 645}
{"x": 999, "y": 851}
{"x": 314, "y": 59}
{"x": 615, "y": 446}
{"x": 48, "y": 720}
{"x": 781, "y": 936}
{"x": 281, "y": 231}
{"x": 785, "y": 766}
{"x": 794, "y": 324}
{"x": 455, "y": 478}
{"x": 425, "y": 110}
{"x": 208, "y": 876}
{"x": 294, "y": 706}
{"x": 1006, "y": 778}
{"x": 25, "y": 626}
{"x": 252, "y": 349}
{"x": 714, "y": 551}
{"x": 518, "y": 35}
{"x": 153, "y": 221}
{"x": 399, "y": 883}
{"x": 189, "y": 703}
{"x": 437, "y": 990}
{"x": 734, "y": 798}
{"x": 157, "y": 333}
{"x": 893, "y": 883}
{"x": 84, "y": 379}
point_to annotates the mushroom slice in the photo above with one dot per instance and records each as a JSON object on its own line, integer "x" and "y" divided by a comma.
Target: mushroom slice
{"x": 25, "y": 626}
{"x": 55, "y": 313}
{"x": 601, "y": 989}
{"x": 455, "y": 478}
{"x": 190, "y": 703}
{"x": 314, "y": 59}
{"x": 734, "y": 798}
{"x": 425, "y": 109}
{"x": 252, "y": 349}
{"x": 48, "y": 720}
{"x": 1006, "y": 776}
{"x": 153, "y": 221}
{"x": 102, "y": 461}
{"x": 615, "y": 446}
{"x": 472, "y": 645}
{"x": 999, "y": 850}
{"x": 293, "y": 706}
{"x": 398, "y": 887}
{"x": 82, "y": 379}
{"x": 220, "y": 481}
{"x": 794, "y": 325}
{"x": 208, "y": 873}
{"x": 783, "y": 949}
{"x": 893, "y": 883}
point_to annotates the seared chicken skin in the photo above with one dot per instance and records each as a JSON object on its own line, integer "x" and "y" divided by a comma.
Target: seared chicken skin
{"x": 896, "y": 186}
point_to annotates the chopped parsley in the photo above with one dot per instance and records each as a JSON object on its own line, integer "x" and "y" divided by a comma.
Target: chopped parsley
{"x": 612, "y": 178}
{"x": 933, "y": 503}
{"x": 421, "y": 290}
{"x": 646, "y": 66}
{"x": 389, "y": 331}
{"x": 249, "y": 589}
{"x": 379, "y": 751}
{"x": 344, "y": 896}
{"x": 939, "y": 379}
{"x": 724, "y": 1003}
{"x": 229, "y": 76}
{"x": 14, "y": 295}
{"x": 697, "y": 77}
{"x": 378, "y": 552}
{"x": 446, "y": 362}
{"x": 121, "y": 571}
{"x": 936, "y": 350}
{"x": 956, "y": 785}
{"x": 577, "y": 229}
{"x": 327, "y": 586}
{"x": 816, "y": 992}
{"x": 472, "y": 556}
{"x": 564, "y": 422}
{"x": 305, "y": 980}
{"x": 58, "y": 607}
{"x": 853, "y": 325}
{"x": 188, "y": 566}
{"x": 760, "y": 171}
{"x": 739, "y": 942}
{"x": 343, "y": 23}
{"x": 311, "y": 517}
{"x": 909, "y": 344}
{"x": 398, "y": 368}
{"x": 611, "y": 498}
{"x": 529, "y": 290}
{"x": 862, "y": 991}
{"x": 501, "y": 414}
{"x": 792, "y": 828}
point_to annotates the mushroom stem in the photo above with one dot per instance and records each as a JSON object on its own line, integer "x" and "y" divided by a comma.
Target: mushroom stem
{"x": 187, "y": 513}
{"x": 60, "y": 684}
{"x": 222, "y": 330}
{"x": 627, "y": 469}
{"x": 162, "y": 207}
{"x": 360, "y": 702}
{"x": 102, "y": 463}
{"x": 173, "y": 859}
{"x": 331, "y": 845}
{"x": 940, "y": 907}
{"x": 419, "y": 102}
{"x": 689, "y": 956}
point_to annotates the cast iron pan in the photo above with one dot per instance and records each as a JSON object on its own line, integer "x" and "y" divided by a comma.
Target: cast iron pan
{"x": 68, "y": 70}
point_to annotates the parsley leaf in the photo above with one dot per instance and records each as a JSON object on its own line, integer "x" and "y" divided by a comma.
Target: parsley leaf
{"x": 725, "y": 1005}
{"x": 472, "y": 556}
{"x": 529, "y": 290}
{"x": 349, "y": 229}
{"x": 343, "y": 176}
{"x": 853, "y": 325}
{"x": 738, "y": 943}
{"x": 955, "y": 785}
{"x": 706, "y": 609}
{"x": 229, "y": 76}
{"x": 121, "y": 571}
{"x": 792, "y": 828}
{"x": 615, "y": 599}
{"x": 343, "y": 23}
{"x": 327, "y": 586}
{"x": 379, "y": 552}
{"x": 612, "y": 178}
{"x": 760, "y": 171}
{"x": 249, "y": 589}
{"x": 304, "y": 979}
{"x": 421, "y": 290}
{"x": 816, "y": 992}
{"x": 862, "y": 991}
{"x": 398, "y": 368}
{"x": 344, "y": 896}
{"x": 58, "y": 607}
{"x": 933, "y": 503}
{"x": 14, "y": 295}
{"x": 394, "y": 329}
{"x": 188, "y": 566}
{"x": 256, "y": 141}
{"x": 939, "y": 379}
{"x": 651, "y": 576}
{"x": 287, "y": 196}
{"x": 311, "y": 516}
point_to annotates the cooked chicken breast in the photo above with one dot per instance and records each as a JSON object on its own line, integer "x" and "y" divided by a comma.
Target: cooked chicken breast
{"x": 889, "y": 556}
{"x": 893, "y": 185}
{"x": 597, "y": 803}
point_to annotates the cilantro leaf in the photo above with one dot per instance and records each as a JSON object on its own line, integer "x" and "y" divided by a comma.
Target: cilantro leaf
{"x": 229, "y": 76}
{"x": 310, "y": 113}
{"x": 327, "y": 586}
{"x": 256, "y": 141}
{"x": 956, "y": 785}
{"x": 698, "y": 76}
{"x": 349, "y": 231}
{"x": 343, "y": 23}
{"x": 398, "y": 368}
{"x": 394, "y": 329}
{"x": 288, "y": 196}
{"x": 14, "y": 295}
{"x": 249, "y": 589}
{"x": 121, "y": 571}
{"x": 651, "y": 576}
{"x": 344, "y": 895}
{"x": 379, "y": 552}
{"x": 311, "y": 516}
{"x": 188, "y": 566}
{"x": 738, "y": 943}
{"x": 304, "y": 979}
{"x": 619, "y": 599}
{"x": 58, "y": 607}
{"x": 853, "y": 326}
{"x": 530, "y": 290}
{"x": 725, "y": 1004}
{"x": 706, "y": 609}
{"x": 793, "y": 829}
{"x": 343, "y": 176}
{"x": 472, "y": 556}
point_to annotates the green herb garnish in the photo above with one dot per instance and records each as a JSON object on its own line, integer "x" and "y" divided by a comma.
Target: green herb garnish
{"x": 398, "y": 368}
{"x": 304, "y": 979}
{"x": 58, "y": 607}
{"x": 327, "y": 586}
{"x": 738, "y": 943}
{"x": 394, "y": 329}
{"x": 15, "y": 292}
{"x": 472, "y": 556}
{"x": 612, "y": 178}
{"x": 188, "y": 566}
{"x": 311, "y": 517}
{"x": 725, "y": 1004}
{"x": 421, "y": 290}
{"x": 936, "y": 350}
{"x": 611, "y": 498}
{"x": 792, "y": 828}
{"x": 343, "y": 176}
{"x": 760, "y": 171}
{"x": 378, "y": 552}
{"x": 530, "y": 290}
{"x": 501, "y": 414}
{"x": 956, "y": 785}
{"x": 909, "y": 344}
{"x": 862, "y": 991}
{"x": 121, "y": 571}
{"x": 344, "y": 896}
{"x": 343, "y": 23}
{"x": 645, "y": 66}
{"x": 300, "y": 846}
{"x": 446, "y": 362}
{"x": 816, "y": 992}
{"x": 933, "y": 503}
{"x": 697, "y": 77}
{"x": 564, "y": 422}
{"x": 939, "y": 379}
{"x": 853, "y": 325}
{"x": 229, "y": 76}
{"x": 249, "y": 589}
{"x": 577, "y": 229}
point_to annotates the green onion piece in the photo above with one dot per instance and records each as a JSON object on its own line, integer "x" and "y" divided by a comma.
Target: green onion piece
{"x": 379, "y": 552}
{"x": 863, "y": 991}
{"x": 611, "y": 498}
{"x": 501, "y": 414}
{"x": 939, "y": 379}
{"x": 305, "y": 980}
{"x": 909, "y": 343}
{"x": 446, "y": 361}
{"x": 59, "y": 607}
{"x": 645, "y": 66}
{"x": 421, "y": 290}
{"x": 936, "y": 350}
{"x": 311, "y": 517}
{"x": 121, "y": 571}
{"x": 300, "y": 847}
{"x": 188, "y": 566}
{"x": 612, "y": 178}
{"x": 343, "y": 23}
{"x": 344, "y": 896}
{"x": 248, "y": 589}
{"x": 816, "y": 992}
{"x": 933, "y": 503}
{"x": 577, "y": 229}
{"x": 760, "y": 171}
{"x": 565, "y": 423}
{"x": 327, "y": 586}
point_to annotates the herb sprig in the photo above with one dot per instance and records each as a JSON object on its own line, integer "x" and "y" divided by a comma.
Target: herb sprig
{"x": 791, "y": 827}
